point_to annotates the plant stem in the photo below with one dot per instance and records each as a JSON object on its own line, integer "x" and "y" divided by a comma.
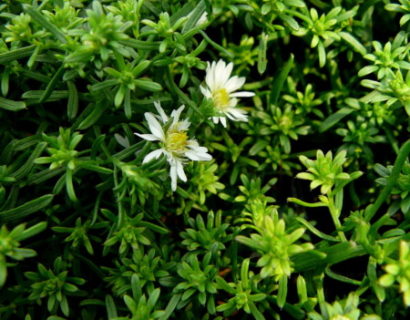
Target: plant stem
{"x": 401, "y": 158}
{"x": 334, "y": 212}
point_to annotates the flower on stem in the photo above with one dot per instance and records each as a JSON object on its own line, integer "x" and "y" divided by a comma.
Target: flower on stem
{"x": 220, "y": 88}
{"x": 171, "y": 132}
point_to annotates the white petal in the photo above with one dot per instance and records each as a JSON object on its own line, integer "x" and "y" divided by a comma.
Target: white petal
{"x": 153, "y": 155}
{"x": 176, "y": 114}
{"x": 233, "y": 102}
{"x": 180, "y": 171}
{"x": 205, "y": 92}
{"x": 183, "y": 125}
{"x": 154, "y": 125}
{"x": 209, "y": 78}
{"x": 196, "y": 152}
{"x": 234, "y": 83}
{"x": 161, "y": 112}
{"x": 242, "y": 94}
{"x": 170, "y": 157}
{"x": 219, "y": 72}
{"x": 223, "y": 74}
{"x": 173, "y": 175}
{"x": 223, "y": 121}
{"x": 215, "y": 120}
{"x": 203, "y": 19}
{"x": 198, "y": 156}
{"x": 215, "y": 74}
{"x": 148, "y": 137}
{"x": 237, "y": 114}
{"x": 192, "y": 155}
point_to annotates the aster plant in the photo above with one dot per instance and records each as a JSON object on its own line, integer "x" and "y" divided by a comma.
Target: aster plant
{"x": 171, "y": 132}
{"x": 113, "y": 164}
{"x": 220, "y": 89}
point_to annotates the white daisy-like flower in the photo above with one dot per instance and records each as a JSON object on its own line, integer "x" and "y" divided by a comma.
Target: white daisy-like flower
{"x": 220, "y": 88}
{"x": 173, "y": 138}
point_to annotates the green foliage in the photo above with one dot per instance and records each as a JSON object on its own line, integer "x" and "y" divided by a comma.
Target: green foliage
{"x": 198, "y": 280}
{"x": 276, "y": 246}
{"x": 209, "y": 237}
{"x": 243, "y": 296}
{"x": 326, "y": 172}
{"x": 398, "y": 271}
{"x": 55, "y": 285}
{"x": 10, "y": 245}
{"x": 104, "y": 105}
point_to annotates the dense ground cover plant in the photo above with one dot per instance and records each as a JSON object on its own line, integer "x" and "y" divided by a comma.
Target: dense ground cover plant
{"x": 201, "y": 159}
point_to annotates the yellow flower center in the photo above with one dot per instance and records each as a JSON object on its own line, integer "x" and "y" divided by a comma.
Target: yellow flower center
{"x": 221, "y": 98}
{"x": 339, "y": 317}
{"x": 176, "y": 142}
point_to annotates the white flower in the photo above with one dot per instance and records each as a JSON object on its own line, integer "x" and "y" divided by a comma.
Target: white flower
{"x": 220, "y": 88}
{"x": 174, "y": 141}
{"x": 202, "y": 19}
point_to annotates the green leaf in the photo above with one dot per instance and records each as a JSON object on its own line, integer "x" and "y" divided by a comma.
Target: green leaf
{"x": 224, "y": 285}
{"x": 16, "y": 54}
{"x": 301, "y": 289}
{"x": 26, "y": 208}
{"x": 262, "y": 61}
{"x": 140, "y": 67}
{"x": 139, "y": 44}
{"x": 35, "y": 95}
{"x": 283, "y": 291}
{"x": 92, "y": 117}
{"x": 69, "y": 185}
{"x": 315, "y": 231}
{"x": 32, "y": 231}
{"x": 255, "y": 312}
{"x": 279, "y": 81}
{"x": 3, "y": 270}
{"x": 334, "y": 118}
{"x": 103, "y": 85}
{"x": 341, "y": 278}
{"x": 374, "y": 96}
{"x": 322, "y": 54}
{"x": 350, "y": 39}
{"x": 154, "y": 227}
{"x": 28, "y": 165}
{"x": 111, "y": 308}
{"x": 72, "y": 103}
{"x": 292, "y": 23}
{"x": 367, "y": 70}
{"x": 12, "y": 105}
{"x": 194, "y": 17}
{"x": 131, "y": 304}
{"x": 216, "y": 46}
{"x": 148, "y": 85}
{"x": 5, "y": 77}
{"x": 43, "y": 21}
{"x": 119, "y": 96}
{"x": 171, "y": 306}
{"x": 247, "y": 241}
{"x": 127, "y": 104}
{"x": 307, "y": 204}
{"x": 94, "y": 167}
{"x": 52, "y": 84}
{"x": 153, "y": 298}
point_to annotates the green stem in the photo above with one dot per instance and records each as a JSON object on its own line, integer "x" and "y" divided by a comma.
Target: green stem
{"x": 371, "y": 210}
{"x": 172, "y": 85}
{"x": 215, "y": 45}
{"x": 334, "y": 212}
{"x": 319, "y": 259}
